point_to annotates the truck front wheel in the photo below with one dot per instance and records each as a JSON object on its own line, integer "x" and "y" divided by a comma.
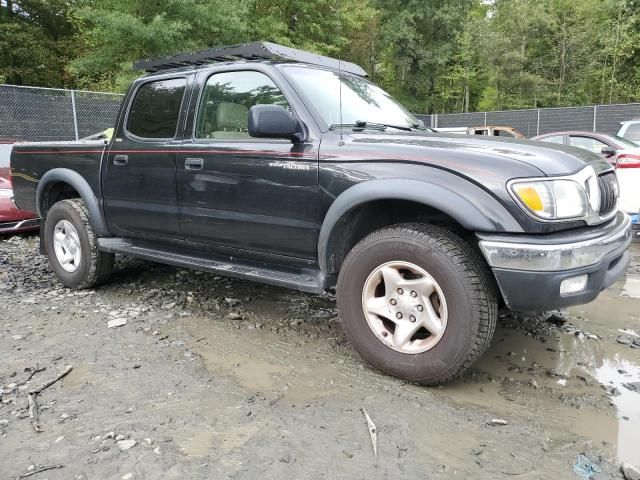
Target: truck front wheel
{"x": 417, "y": 302}
{"x": 72, "y": 248}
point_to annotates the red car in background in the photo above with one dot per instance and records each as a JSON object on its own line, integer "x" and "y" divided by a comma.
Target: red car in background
{"x": 12, "y": 219}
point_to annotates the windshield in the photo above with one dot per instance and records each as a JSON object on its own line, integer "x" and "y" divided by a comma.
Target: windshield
{"x": 362, "y": 101}
{"x": 633, "y": 132}
{"x": 622, "y": 142}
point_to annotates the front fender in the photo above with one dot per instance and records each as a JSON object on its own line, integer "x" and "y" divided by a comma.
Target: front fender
{"x": 75, "y": 180}
{"x": 471, "y": 206}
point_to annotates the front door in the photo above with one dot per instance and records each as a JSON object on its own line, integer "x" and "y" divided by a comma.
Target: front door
{"x": 258, "y": 197}
{"x": 139, "y": 184}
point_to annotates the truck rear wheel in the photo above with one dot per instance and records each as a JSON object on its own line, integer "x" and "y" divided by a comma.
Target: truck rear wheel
{"x": 72, "y": 248}
{"x": 417, "y": 302}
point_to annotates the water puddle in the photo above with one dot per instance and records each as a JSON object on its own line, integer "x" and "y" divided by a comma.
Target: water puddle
{"x": 631, "y": 287}
{"x": 567, "y": 382}
{"x": 614, "y": 374}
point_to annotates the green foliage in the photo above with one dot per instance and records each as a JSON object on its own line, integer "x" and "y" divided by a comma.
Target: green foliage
{"x": 436, "y": 56}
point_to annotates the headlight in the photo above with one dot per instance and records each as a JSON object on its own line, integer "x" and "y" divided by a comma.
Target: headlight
{"x": 6, "y": 193}
{"x": 552, "y": 199}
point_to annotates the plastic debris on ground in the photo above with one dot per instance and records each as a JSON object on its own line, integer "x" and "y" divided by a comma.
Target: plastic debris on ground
{"x": 585, "y": 468}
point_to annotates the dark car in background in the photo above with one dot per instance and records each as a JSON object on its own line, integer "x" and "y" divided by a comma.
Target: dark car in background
{"x": 12, "y": 219}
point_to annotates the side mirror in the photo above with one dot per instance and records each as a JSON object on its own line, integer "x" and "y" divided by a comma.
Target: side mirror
{"x": 273, "y": 121}
{"x": 607, "y": 151}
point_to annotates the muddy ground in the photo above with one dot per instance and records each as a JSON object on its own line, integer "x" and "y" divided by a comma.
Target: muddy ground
{"x": 219, "y": 378}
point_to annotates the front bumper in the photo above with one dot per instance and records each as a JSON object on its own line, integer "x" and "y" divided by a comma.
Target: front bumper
{"x": 530, "y": 269}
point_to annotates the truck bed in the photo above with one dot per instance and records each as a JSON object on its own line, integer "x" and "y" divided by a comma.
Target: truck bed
{"x": 31, "y": 161}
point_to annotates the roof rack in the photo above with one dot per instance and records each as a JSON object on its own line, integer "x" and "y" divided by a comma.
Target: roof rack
{"x": 247, "y": 51}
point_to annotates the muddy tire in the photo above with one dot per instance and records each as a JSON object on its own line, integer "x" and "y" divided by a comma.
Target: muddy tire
{"x": 417, "y": 302}
{"x": 71, "y": 246}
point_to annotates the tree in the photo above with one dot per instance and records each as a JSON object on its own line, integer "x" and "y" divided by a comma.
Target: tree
{"x": 435, "y": 56}
{"x": 36, "y": 41}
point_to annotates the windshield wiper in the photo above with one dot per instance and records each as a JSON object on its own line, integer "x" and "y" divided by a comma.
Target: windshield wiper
{"x": 361, "y": 124}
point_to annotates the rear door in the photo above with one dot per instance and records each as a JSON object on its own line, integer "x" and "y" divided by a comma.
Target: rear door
{"x": 139, "y": 179}
{"x": 257, "y": 196}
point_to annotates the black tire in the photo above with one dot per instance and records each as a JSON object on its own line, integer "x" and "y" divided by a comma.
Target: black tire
{"x": 95, "y": 267}
{"x": 464, "y": 279}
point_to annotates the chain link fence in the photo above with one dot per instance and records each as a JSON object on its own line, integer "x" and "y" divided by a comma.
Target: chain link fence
{"x": 532, "y": 122}
{"x": 44, "y": 114}
{"x": 49, "y": 114}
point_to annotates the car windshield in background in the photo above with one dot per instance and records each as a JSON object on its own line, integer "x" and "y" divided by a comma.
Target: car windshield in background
{"x": 622, "y": 142}
{"x": 633, "y": 132}
{"x": 362, "y": 101}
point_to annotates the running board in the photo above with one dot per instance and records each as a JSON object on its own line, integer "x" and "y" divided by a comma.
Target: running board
{"x": 302, "y": 279}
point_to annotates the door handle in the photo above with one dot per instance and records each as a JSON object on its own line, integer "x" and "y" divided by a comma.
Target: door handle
{"x": 120, "y": 159}
{"x": 193, "y": 164}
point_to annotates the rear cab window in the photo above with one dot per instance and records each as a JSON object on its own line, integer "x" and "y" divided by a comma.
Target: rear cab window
{"x": 155, "y": 109}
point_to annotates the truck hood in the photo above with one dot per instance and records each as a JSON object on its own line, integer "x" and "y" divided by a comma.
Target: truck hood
{"x": 506, "y": 155}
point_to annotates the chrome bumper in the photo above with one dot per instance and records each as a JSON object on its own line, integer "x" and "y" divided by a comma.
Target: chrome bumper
{"x": 551, "y": 257}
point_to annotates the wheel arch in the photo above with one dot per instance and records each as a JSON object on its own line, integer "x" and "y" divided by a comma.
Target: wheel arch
{"x": 60, "y": 183}
{"x": 459, "y": 202}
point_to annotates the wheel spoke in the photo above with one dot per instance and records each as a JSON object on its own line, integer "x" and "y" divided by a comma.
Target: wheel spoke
{"x": 403, "y": 333}
{"x": 76, "y": 255}
{"x": 423, "y": 286}
{"x": 67, "y": 258}
{"x": 59, "y": 237}
{"x": 74, "y": 238}
{"x": 430, "y": 319}
{"x": 392, "y": 279}
{"x": 378, "y": 306}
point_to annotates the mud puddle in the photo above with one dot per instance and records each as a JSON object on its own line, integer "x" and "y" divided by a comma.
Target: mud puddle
{"x": 574, "y": 378}
{"x": 563, "y": 381}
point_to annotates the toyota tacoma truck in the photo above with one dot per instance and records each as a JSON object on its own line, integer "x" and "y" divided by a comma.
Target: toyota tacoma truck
{"x": 276, "y": 165}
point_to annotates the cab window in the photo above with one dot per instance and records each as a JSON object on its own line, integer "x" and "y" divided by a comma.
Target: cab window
{"x": 155, "y": 109}
{"x": 226, "y": 100}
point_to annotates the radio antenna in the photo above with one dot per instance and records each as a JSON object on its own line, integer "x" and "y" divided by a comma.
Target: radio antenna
{"x": 340, "y": 72}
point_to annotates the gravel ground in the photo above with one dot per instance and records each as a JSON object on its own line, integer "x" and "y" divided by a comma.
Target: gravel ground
{"x": 208, "y": 377}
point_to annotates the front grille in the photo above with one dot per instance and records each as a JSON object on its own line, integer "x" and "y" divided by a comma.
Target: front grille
{"x": 608, "y": 186}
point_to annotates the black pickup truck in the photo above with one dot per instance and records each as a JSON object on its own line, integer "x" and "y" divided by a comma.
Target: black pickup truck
{"x": 276, "y": 165}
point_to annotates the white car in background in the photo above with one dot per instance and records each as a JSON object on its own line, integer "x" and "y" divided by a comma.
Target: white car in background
{"x": 623, "y": 154}
{"x": 630, "y": 130}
